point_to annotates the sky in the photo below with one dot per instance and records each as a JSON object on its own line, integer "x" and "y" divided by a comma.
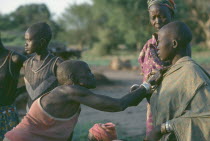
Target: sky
{"x": 56, "y": 7}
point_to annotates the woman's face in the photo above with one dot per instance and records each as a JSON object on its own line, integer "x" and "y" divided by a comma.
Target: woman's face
{"x": 160, "y": 15}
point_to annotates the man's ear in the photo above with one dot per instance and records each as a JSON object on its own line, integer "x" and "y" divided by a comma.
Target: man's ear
{"x": 175, "y": 44}
{"x": 72, "y": 78}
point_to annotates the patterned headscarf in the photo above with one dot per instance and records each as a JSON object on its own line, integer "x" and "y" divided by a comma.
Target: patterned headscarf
{"x": 168, "y": 3}
{"x": 104, "y": 132}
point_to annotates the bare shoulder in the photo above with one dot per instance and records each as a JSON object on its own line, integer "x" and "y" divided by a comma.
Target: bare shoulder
{"x": 73, "y": 90}
{"x": 63, "y": 89}
{"x": 18, "y": 58}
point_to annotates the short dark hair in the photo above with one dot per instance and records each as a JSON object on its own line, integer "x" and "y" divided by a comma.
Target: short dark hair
{"x": 180, "y": 31}
{"x": 41, "y": 30}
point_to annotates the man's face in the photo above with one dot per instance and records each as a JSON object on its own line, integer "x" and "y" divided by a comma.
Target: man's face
{"x": 159, "y": 16}
{"x": 32, "y": 44}
{"x": 165, "y": 46}
{"x": 85, "y": 77}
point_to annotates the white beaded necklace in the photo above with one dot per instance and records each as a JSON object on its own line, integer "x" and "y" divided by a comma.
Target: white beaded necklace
{"x": 35, "y": 71}
{"x": 4, "y": 62}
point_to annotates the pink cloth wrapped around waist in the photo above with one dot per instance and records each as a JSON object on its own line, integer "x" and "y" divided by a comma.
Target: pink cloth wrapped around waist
{"x": 38, "y": 125}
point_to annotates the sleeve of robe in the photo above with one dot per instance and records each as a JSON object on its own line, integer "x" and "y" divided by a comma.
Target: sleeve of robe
{"x": 194, "y": 123}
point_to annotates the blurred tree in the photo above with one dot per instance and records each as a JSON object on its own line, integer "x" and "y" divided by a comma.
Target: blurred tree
{"x": 26, "y": 15}
{"x": 16, "y": 23}
{"x": 120, "y": 20}
{"x": 200, "y": 14}
{"x": 5, "y": 23}
{"x": 128, "y": 17}
{"x": 78, "y": 26}
{"x": 105, "y": 24}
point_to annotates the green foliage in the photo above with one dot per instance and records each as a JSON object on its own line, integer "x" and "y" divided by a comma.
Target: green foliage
{"x": 103, "y": 25}
{"x": 13, "y": 38}
{"x": 77, "y": 24}
{"x": 128, "y": 22}
{"x": 196, "y": 14}
{"x": 119, "y": 20}
{"x": 5, "y": 22}
{"x": 98, "y": 60}
{"x": 126, "y": 17}
{"x": 107, "y": 40}
{"x": 25, "y": 15}
{"x": 99, "y": 49}
{"x": 199, "y": 54}
{"x": 16, "y": 23}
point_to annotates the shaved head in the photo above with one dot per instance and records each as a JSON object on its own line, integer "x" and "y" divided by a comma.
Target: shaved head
{"x": 75, "y": 72}
{"x": 67, "y": 68}
{"x": 173, "y": 41}
{"x": 178, "y": 31}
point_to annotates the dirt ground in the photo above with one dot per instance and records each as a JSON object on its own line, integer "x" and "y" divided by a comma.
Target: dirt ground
{"x": 132, "y": 120}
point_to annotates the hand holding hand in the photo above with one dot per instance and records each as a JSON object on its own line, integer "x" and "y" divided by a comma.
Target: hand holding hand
{"x": 156, "y": 76}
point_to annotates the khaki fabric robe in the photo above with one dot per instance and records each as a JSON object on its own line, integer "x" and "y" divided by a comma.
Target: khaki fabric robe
{"x": 183, "y": 98}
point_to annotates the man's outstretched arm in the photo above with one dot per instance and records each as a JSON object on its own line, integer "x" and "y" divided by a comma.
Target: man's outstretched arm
{"x": 104, "y": 103}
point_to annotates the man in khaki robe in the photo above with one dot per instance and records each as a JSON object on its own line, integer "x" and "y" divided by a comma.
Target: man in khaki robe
{"x": 181, "y": 104}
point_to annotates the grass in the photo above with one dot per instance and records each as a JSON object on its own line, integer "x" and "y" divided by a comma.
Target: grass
{"x": 95, "y": 60}
{"x": 200, "y": 56}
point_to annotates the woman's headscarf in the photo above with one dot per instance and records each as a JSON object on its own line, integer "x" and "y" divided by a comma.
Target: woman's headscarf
{"x": 168, "y": 3}
{"x": 104, "y": 132}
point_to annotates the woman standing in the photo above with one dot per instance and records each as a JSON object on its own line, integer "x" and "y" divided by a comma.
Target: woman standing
{"x": 161, "y": 12}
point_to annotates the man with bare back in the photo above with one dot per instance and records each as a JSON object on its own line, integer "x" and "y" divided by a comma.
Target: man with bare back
{"x": 59, "y": 109}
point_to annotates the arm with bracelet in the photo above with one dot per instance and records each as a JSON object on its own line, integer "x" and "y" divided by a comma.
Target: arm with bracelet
{"x": 166, "y": 128}
{"x": 105, "y": 103}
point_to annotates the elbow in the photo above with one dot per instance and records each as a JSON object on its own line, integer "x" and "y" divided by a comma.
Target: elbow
{"x": 118, "y": 107}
